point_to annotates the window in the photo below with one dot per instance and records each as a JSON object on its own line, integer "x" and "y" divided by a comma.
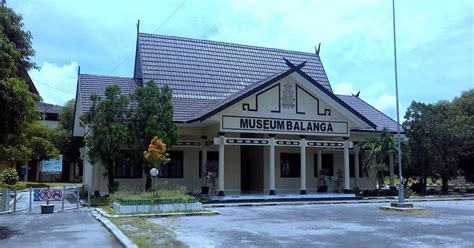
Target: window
{"x": 328, "y": 163}
{"x": 290, "y": 165}
{"x": 211, "y": 157}
{"x": 127, "y": 166}
{"x": 173, "y": 169}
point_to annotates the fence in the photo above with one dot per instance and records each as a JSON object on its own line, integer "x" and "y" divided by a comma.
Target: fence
{"x": 30, "y": 200}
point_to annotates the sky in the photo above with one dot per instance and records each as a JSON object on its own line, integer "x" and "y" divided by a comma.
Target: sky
{"x": 435, "y": 40}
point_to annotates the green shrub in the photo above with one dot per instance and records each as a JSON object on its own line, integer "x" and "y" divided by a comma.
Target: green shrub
{"x": 9, "y": 177}
{"x": 37, "y": 185}
{"x": 100, "y": 201}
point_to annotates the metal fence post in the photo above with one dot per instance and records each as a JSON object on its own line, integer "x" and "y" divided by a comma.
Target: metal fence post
{"x": 88, "y": 198}
{"x": 78, "y": 197}
{"x": 31, "y": 191}
{"x": 62, "y": 200}
{"x": 14, "y": 201}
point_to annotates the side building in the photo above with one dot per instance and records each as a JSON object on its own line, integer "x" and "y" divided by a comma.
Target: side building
{"x": 267, "y": 118}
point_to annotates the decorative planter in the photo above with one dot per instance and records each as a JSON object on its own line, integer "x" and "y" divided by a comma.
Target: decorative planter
{"x": 323, "y": 189}
{"x": 124, "y": 206}
{"x": 47, "y": 209}
{"x": 204, "y": 190}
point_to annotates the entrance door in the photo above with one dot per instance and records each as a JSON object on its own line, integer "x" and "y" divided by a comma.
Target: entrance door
{"x": 252, "y": 167}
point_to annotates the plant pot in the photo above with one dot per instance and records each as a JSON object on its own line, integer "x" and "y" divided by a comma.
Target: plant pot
{"x": 204, "y": 190}
{"x": 47, "y": 209}
{"x": 323, "y": 189}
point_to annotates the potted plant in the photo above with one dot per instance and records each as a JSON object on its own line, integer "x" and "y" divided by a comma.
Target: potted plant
{"x": 339, "y": 179}
{"x": 210, "y": 178}
{"x": 323, "y": 180}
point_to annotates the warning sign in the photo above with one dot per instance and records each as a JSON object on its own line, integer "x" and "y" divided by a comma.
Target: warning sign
{"x": 47, "y": 195}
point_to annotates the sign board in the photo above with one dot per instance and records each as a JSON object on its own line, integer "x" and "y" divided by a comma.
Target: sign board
{"x": 47, "y": 195}
{"x": 54, "y": 166}
{"x": 278, "y": 125}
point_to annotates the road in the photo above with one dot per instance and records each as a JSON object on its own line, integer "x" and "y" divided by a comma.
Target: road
{"x": 447, "y": 224}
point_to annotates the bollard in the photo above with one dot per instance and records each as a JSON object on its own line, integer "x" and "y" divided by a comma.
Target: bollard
{"x": 14, "y": 201}
{"x": 31, "y": 191}
{"x": 88, "y": 198}
{"x": 62, "y": 200}
{"x": 78, "y": 197}
{"x": 6, "y": 199}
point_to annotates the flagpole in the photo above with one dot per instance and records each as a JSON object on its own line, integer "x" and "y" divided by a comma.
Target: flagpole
{"x": 401, "y": 191}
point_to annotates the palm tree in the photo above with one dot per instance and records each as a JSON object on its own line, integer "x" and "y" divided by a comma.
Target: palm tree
{"x": 378, "y": 148}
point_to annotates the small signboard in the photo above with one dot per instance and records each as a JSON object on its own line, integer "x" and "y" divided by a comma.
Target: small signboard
{"x": 47, "y": 195}
{"x": 54, "y": 166}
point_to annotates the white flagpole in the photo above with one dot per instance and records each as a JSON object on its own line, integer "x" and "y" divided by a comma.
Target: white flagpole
{"x": 401, "y": 191}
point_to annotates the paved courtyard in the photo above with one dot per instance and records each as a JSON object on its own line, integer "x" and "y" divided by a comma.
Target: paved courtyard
{"x": 68, "y": 229}
{"x": 448, "y": 224}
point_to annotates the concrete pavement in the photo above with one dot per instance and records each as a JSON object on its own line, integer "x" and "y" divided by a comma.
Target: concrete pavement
{"x": 67, "y": 229}
{"x": 448, "y": 224}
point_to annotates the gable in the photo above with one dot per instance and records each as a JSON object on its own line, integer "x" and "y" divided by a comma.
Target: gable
{"x": 291, "y": 105}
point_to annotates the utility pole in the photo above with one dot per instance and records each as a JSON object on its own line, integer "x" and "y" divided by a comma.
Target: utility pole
{"x": 401, "y": 190}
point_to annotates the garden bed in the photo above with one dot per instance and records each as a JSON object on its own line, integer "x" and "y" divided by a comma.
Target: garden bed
{"x": 128, "y": 206}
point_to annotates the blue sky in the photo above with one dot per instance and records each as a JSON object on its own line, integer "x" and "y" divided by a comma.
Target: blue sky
{"x": 434, "y": 39}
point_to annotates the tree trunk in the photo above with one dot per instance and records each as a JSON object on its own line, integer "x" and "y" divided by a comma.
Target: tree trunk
{"x": 110, "y": 175}
{"x": 444, "y": 188}
{"x": 423, "y": 185}
{"x": 148, "y": 181}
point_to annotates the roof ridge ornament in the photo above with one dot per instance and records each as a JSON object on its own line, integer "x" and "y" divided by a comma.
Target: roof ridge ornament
{"x": 293, "y": 66}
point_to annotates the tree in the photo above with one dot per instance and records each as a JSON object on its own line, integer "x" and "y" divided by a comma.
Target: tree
{"x": 438, "y": 136}
{"x": 378, "y": 149}
{"x": 17, "y": 103}
{"x": 108, "y": 133}
{"x": 34, "y": 143}
{"x": 465, "y": 104}
{"x": 18, "y": 107}
{"x": 152, "y": 116}
{"x": 156, "y": 154}
{"x": 15, "y": 46}
{"x": 64, "y": 139}
{"x": 449, "y": 130}
{"x": 420, "y": 145}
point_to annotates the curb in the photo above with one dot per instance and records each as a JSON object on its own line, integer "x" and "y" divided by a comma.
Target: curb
{"x": 158, "y": 215}
{"x": 119, "y": 235}
{"x": 297, "y": 203}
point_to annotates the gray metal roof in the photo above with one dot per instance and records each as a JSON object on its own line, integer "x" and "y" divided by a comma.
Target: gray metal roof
{"x": 206, "y": 74}
{"x": 48, "y": 108}
{"x": 377, "y": 117}
{"x": 90, "y": 84}
{"x": 214, "y": 70}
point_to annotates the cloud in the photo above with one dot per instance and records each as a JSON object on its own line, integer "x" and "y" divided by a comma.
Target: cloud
{"x": 375, "y": 94}
{"x": 56, "y": 84}
{"x": 344, "y": 88}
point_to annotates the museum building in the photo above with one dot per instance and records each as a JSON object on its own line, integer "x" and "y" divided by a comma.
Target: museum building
{"x": 267, "y": 118}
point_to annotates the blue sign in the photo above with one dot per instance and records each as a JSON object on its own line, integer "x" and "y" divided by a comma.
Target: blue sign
{"x": 37, "y": 195}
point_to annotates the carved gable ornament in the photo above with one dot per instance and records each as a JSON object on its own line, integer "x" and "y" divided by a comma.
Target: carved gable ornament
{"x": 288, "y": 98}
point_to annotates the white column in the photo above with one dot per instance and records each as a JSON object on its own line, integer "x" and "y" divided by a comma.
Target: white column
{"x": 303, "y": 166}
{"x": 319, "y": 164}
{"x": 221, "y": 165}
{"x": 272, "y": 165}
{"x": 390, "y": 164}
{"x": 347, "y": 185}
{"x": 356, "y": 167}
{"x": 204, "y": 159}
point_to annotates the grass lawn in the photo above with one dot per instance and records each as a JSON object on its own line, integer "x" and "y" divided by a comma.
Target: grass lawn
{"x": 145, "y": 233}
